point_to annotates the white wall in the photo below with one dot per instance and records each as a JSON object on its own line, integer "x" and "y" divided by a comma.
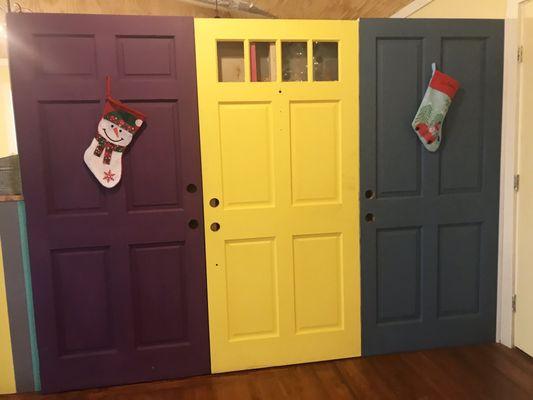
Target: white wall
{"x": 462, "y": 9}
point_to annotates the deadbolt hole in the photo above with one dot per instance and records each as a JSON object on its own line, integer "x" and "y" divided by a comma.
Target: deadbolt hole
{"x": 370, "y": 217}
{"x": 214, "y": 202}
{"x": 215, "y": 226}
{"x": 193, "y": 224}
{"x": 369, "y": 194}
{"x": 191, "y": 188}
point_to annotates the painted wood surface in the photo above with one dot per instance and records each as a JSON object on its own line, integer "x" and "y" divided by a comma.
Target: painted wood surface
{"x": 19, "y": 299}
{"x": 7, "y": 374}
{"x": 118, "y": 275}
{"x": 430, "y": 248}
{"x": 281, "y": 159}
{"x": 524, "y": 254}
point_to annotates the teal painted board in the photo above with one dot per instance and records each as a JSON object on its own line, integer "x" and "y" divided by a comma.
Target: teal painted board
{"x": 29, "y": 295}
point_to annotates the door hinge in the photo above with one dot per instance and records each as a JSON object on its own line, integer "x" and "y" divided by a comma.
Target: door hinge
{"x": 520, "y": 55}
{"x": 513, "y": 303}
{"x": 516, "y": 182}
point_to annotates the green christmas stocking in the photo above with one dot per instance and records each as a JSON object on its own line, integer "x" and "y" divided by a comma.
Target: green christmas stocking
{"x": 435, "y": 104}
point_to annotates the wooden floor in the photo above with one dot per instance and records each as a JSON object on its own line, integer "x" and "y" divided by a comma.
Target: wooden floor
{"x": 477, "y": 372}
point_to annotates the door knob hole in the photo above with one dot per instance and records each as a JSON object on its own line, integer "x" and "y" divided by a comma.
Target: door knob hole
{"x": 370, "y": 217}
{"x": 215, "y": 226}
{"x": 191, "y": 188}
{"x": 369, "y": 194}
{"x": 214, "y": 202}
{"x": 193, "y": 224}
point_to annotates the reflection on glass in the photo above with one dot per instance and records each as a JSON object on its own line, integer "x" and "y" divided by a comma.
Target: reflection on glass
{"x": 230, "y": 61}
{"x": 294, "y": 61}
{"x": 262, "y": 61}
{"x": 325, "y": 61}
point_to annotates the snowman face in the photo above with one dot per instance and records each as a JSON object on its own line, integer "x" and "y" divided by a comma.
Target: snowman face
{"x": 114, "y": 133}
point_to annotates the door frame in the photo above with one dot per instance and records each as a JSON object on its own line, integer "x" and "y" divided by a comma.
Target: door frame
{"x": 509, "y": 168}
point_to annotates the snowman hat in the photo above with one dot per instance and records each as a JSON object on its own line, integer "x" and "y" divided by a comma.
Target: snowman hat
{"x": 120, "y": 114}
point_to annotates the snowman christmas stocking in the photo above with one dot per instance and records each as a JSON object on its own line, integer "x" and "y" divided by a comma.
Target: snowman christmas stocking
{"x": 435, "y": 104}
{"x": 115, "y": 131}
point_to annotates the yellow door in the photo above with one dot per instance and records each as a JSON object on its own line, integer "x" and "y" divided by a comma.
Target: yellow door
{"x": 279, "y": 136}
{"x": 7, "y": 374}
{"x": 524, "y": 258}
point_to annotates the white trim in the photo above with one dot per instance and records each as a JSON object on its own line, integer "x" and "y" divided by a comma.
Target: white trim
{"x": 410, "y": 8}
{"x": 507, "y": 244}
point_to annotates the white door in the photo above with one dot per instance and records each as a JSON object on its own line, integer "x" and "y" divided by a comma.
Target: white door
{"x": 524, "y": 270}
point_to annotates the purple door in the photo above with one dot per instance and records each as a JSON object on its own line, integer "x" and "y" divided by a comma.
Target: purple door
{"x": 118, "y": 274}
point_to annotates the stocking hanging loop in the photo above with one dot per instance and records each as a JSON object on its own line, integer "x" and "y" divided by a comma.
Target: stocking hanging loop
{"x": 107, "y": 87}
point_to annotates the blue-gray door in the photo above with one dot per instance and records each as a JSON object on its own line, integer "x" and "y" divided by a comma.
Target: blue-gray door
{"x": 429, "y": 227}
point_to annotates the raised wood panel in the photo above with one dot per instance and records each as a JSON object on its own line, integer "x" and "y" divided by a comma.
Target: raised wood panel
{"x": 459, "y": 269}
{"x": 159, "y": 294}
{"x": 156, "y": 184}
{"x": 133, "y": 51}
{"x": 84, "y": 318}
{"x": 247, "y": 160}
{"x": 52, "y": 56}
{"x": 315, "y": 135}
{"x": 252, "y": 289}
{"x": 466, "y": 60}
{"x": 399, "y": 168}
{"x": 318, "y": 269}
{"x": 398, "y": 274}
{"x": 59, "y": 120}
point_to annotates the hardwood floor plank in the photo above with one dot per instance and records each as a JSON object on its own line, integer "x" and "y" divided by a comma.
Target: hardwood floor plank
{"x": 464, "y": 373}
{"x": 330, "y": 377}
{"x": 441, "y": 381}
{"x": 364, "y": 379}
{"x": 405, "y": 381}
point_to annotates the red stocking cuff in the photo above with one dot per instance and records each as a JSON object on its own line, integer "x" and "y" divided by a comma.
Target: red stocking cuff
{"x": 444, "y": 83}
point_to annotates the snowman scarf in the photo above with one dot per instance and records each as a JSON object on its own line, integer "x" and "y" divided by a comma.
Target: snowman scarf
{"x": 117, "y": 126}
{"x": 107, "y": 148}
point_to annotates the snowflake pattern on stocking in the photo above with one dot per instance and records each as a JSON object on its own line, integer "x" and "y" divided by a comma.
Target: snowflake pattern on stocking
{"x": 109, "y": 176}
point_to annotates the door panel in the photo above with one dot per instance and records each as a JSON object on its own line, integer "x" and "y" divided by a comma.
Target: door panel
{"x": 315, "y": 136}
{"x": 118, "y": 275}
{"x": 318, "y": 256}
{"x": 252, "y": 298}
{"x": 281, "y": 158}
{"x": 398, "y": 274}
{"x": 247, "y": 177}
{"x": 524, "y": 271}
{"x": 429, "y": 230}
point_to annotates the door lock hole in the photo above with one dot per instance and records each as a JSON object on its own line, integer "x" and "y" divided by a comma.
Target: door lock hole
{"x": 369, "y": 194}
